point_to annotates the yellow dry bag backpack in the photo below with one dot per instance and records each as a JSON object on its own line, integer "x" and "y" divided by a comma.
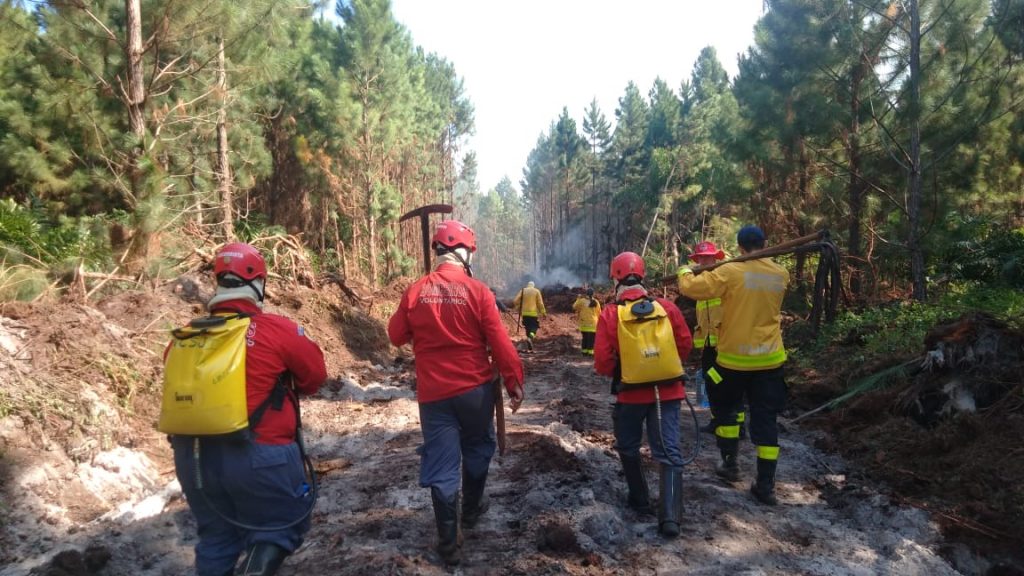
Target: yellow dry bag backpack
{"x": 204, "y": 378}
{"x": 647, "y": 345}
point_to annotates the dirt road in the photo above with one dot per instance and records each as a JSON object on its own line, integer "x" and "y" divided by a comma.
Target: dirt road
{"x": 557, "y": 499}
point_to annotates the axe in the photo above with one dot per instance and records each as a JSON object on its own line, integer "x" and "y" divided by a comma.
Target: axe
{"x": 424, "y": 213}
{"x": 499, "y": 412}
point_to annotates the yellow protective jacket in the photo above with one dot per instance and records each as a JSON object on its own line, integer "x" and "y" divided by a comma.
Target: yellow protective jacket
{"x": 529, "y": 302}
{"x": 750, "y": 336}
{"x": 586, "y": 313}
{"x": 709, "y": 322}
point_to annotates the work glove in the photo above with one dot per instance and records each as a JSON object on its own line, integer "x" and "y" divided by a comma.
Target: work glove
{"x": 683, "y": 271}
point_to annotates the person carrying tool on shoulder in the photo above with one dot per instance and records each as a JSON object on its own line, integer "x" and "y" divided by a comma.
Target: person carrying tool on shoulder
{"x": 641, "y": 342}
{"x": 240, "y": 462}
{"x": 705, "y": 336}
{"x": 530, "y": 304}
{"x": 587, "y": 310}
{"x": 749, "y": 363}
{"x": 455, "y": 329}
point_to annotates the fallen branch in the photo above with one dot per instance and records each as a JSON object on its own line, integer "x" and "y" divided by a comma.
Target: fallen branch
{"x": 966, "y": 523}
{"x": 873, "y": 382}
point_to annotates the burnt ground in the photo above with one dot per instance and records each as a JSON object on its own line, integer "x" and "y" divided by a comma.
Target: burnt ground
{"x": 942, "y": 434}
{"x": 88, "y": 488}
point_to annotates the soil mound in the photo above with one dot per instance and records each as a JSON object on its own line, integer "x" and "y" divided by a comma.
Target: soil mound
{"x": 939, "y": 433}
{"x": 80, "y": 390}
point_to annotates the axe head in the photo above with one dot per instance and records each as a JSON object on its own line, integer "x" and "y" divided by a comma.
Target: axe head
{"x": 427, "y": 211}
{"x": 424, "y": 213}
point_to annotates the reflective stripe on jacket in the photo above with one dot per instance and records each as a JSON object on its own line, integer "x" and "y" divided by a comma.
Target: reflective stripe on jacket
{"x": 750, "y": 337}
{"x": 531, "y": 301}
{"x": 586, "y": 313}
{"x": 709, "y": 321}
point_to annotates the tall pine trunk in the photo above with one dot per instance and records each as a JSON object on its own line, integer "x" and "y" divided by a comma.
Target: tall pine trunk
{"x": 223, "y": 165}
{"x": 135, "y": 102}
{"x": 917, "y": 271}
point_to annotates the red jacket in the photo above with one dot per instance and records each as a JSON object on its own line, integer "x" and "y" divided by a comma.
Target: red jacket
{"x": 451, "y": 320}
{"x": 275, "y": 345}
{"x": 606, "y": 349}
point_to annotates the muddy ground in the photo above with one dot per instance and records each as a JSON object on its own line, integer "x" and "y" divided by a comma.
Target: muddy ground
{"x": 88, "y": 487}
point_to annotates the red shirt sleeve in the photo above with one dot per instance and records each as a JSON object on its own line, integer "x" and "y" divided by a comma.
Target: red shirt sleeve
{"x": 304, "y": 359}
{"x": 606, "y": 341}
{"x": 399, "y": 331}
{"x": 502, "y": 350}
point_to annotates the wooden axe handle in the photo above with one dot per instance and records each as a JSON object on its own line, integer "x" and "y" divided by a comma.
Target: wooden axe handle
{"x": 499, "y": 413}
{"x": 768, "y": 252}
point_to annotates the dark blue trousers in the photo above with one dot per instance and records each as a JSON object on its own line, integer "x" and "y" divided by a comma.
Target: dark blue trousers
{"x": 251, "y": 483}
{"x": 629, "y": 419}
{"x": 457, "y": 432}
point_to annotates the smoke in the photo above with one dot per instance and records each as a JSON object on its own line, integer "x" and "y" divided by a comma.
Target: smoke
{"x": 574, "y": 255}
{"x": 559, "y": 275}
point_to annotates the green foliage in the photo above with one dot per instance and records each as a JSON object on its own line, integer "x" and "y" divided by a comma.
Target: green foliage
{"x": 30, "y": 235}
{"x": 257, "y": 225}
{"x": 979, "y": 249}
{"x": 898, "y": 329}
{"x": 21, "y": 282}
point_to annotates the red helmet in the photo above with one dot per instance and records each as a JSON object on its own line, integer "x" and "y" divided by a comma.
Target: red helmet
{"x": 707, "y": 249}
{"x": 452, "y": 234}
{"x": 627, "y": 264}
{"x": 239, "y": 259}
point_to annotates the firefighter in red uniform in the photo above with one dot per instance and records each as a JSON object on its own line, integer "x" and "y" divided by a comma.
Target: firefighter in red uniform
{"x": 452, "y": 320}
{"x": 641, "y": 342}
{"x": 257, "y": 479}
{"x": 750, "y": 359}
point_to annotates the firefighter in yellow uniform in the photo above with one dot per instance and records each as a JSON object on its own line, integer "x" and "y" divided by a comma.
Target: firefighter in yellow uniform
{"x": 587, "y": 310}
{"x": 750, "y": 356}
{"x": 705, "y": 336}
{"x": 530, "y": 304}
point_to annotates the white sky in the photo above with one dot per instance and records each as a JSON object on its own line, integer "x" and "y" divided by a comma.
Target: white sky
{"x": 523, "y": 61}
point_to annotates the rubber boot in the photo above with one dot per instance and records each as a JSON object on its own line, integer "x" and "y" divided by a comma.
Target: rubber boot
{"x": 764, "y": 488}
{"x": 474, "y": 501}
{"x": 262, "y": 559}
{"x": 449, "y": 533}
{"x": 729, "y": 469}
{"x": 636, "y": 482}
{"x": 670, "y": 507}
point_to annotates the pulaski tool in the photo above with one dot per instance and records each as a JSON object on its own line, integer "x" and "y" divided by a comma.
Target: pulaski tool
{"x": 424, "y": 213}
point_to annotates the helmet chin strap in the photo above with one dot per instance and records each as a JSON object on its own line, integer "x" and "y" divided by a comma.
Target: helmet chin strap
{"x": 464, "y": 256}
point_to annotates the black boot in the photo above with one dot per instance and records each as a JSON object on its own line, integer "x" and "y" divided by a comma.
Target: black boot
{"x": 474, "y": 501}
{"x": 636, "y": 482}
{"x": 729, "y": 469}
{"x": 670, "y": 507}
{"x": 449, "y": 534}
{"x": 764, "y": 488}
{"x": 262, "y": 559}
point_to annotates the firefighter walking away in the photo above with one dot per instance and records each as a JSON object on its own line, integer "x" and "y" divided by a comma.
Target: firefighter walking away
{"x": 530, "y": 304}
{"x": 749, "y": 363}
{"x": 640, "y": 343}
{"x": 455, "y": 329}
